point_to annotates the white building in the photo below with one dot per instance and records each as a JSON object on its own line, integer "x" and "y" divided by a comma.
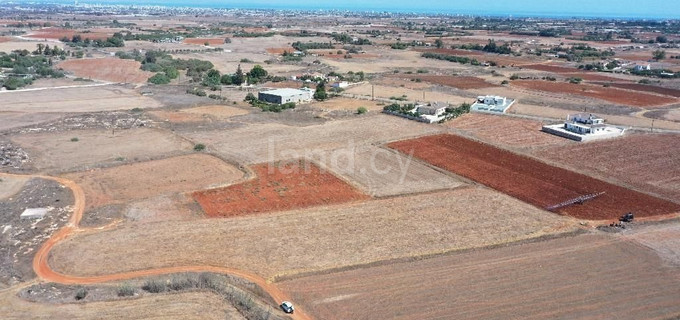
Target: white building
{"x": 281, "y": 96}
{"x": 492, "y": 104}
{"x": 340, "y": 84}
{"x": 584, "y": 127}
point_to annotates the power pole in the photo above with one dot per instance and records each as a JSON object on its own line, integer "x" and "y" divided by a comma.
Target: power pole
{"x": 372, "y": 92}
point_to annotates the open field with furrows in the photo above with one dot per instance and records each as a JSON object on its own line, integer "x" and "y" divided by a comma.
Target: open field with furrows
{"x": 390, "y": 60}
{"x": 590, "y": 276}
{"x": 648, "y": 162}
{"x": 387, "y": 92}
{"x": 624, "y": 97}
{"x": 323, "y": 237}
{"x": 532, "y": 181}
{"x": 382, "y": 172}
{"x": 277, "y": 187}
{"x": 52, "y": 151}
{"x": 191, "y": 305}
{"x": 107, "y": 69}
{"x": 228, "y": 62}
{"x": 452, "y": 81}
{"x": 271, "y": 142}
{"x": 136, "y": 181}
{"x": 664, "y": 239}
{"x": 506, "y": 131}
{"x": 82, "y": 99}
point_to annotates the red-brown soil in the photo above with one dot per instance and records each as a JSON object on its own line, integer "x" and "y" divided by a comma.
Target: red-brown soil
{"x": 454, "y": 52}
{"x": 277, "y": 187}
{"x": 5, "y": 39}
{"x": 530, "y": 180}
{"x": 646, "y": 88}
{"x": 592, "y": 76}
{"x": 202, "y": 41}
{"x": 618, "y": 96}
{"x": 550, "y": 68}
{"x": 57, "y": 33}
{"x": 645, "y": 161}
{"x": 280, "y": 51}
{"x": 108, "y": 69}
{"x": 452, "y": 81}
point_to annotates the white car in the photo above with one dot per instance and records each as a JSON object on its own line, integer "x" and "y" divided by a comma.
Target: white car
{"x": 287, "y": 307}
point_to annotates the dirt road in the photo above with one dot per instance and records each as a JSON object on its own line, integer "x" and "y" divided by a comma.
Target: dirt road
{"x": 44, "y": 272}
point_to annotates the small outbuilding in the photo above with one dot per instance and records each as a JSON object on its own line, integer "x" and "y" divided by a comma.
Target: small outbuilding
{"x": 492, "y": 104}
{"x": 34, "y": 213}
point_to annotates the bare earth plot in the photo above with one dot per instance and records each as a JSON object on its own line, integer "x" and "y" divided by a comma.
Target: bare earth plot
{"x": 11, "y": 185}
{"x": 107, "y": 69}
{"x": 85, "y": 99}
{"x": 663, "y": 239}
{"x": 386, "y": 92}
{"x": 193, "y": 305}
{"x": 583, "y": 277}
{"x": 136, "y": 181}
{"x": 381, "y": 172}
{"x": 97, "y": 148}
{"x": 347, "y": 104}
{"x": 12, "y": 45}
{"x": 271, "y": 142}
{"x": 495, "y": 130}
{"x": 218, "y": 112}
{"x": 649, "y": 162}
{"x": 323, "y": 237}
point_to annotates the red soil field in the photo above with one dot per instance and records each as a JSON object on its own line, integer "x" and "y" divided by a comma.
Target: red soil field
{"x": 618, "y": 96}
{"x": 452, "y": 81}
{"x": 57, "y": 33}
{"x": 277, "y": 187}
{"x": 550, "y": 68}
{"x": 532, "y": 181}
{"x": 108, "y": 69}
{"x": 646, "y": 88}
{"x": 5, "y": 39}
{"x": 202, "y": 41}
{"x": 280, "y": 51}
{"x": 455, "y": 52}
{"x": 592, "y": 76}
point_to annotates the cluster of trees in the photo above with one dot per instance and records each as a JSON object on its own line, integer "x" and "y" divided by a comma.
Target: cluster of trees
{"x": 455, "y": 112}
{"x": 243, "y": 34}
{"x": 78, "y": 41}
{"x": 24, "y": 68}
{"x": 304, "y": 46}
{"x": 491, "y": 47}
{"x": 45, "y": 50}
{"x": 256, "y": 75}
{"x": 553, "y": 32}
{"x": 167, "y": 68}
{"x": 451, "y": 58}
{"x": 268, "y": 107}
{"x": 346, "y": 38}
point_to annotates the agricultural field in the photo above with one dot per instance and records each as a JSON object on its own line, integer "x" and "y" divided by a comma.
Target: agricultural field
{"x": 122, "y": 184}
{"x": 87, "y": 149}
{"x": 54, "y": 33}
{"x": 618, "y": 96}
{"x": 107, "y": 69}
{"x": 453, "y": 81}
{"x": 277, "y": 187}
{"x": 347, "y": 104}
{"x": 411, "y": 95}
{"x": 642, "y": 161}
{"x": 587, "y": 273}
{"x": 648, "y": 88}
{"x": 324, "y": 237}
{"x": 532, "y": 181}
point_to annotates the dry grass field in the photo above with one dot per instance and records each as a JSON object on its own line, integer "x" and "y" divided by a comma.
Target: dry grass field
{"x": 216, "y": 112}
{"x": 107, "y": 69}
{"x": 271, "y": 142}
{"x": 582, "y": 277}
{"x": 347, "y": 104}
{"x": 313, "y": 239}
{"x": 77, "y": 99}
{"x": 10, "y": 120}
{"x": 386, "y": 92}
{"x": 191, "y": 305}
{"x": 97, "y": 148}
{"x": 142, "y": 180}
{"x": 648, "y": 162}
{"x": 9, "y": 46}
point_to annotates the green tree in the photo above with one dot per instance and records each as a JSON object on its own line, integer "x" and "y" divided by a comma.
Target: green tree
{"x": 320, "y": 94}
{"x": 362, "y": 110}
{"x": 226, "y": 79}
{"x": 439, "y": 43}
{"x": 238, "y": 77}
{"x": 171, "y": 72}
{"x": 159, "y": 78}
{"x": 212, "y": 78}
{"x": 659, "y": 54}
{"x": 258, "y": 73}
{"x": 13, "y": 83}
{"x": 661, "y": 39}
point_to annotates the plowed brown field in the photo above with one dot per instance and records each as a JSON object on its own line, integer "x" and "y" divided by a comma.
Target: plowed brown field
{"x": 532, "y": 181}
{"x": 647, "y": 88}
{"x": 202, "y": 41}
{"x": 592, "y": 76}
{"x": 278, "y": 186}
{"x": 57, "y": 33}
{"x": 108, "y": 69}
{"x": 550, "y": 68}
{"x": 624, "y": 97}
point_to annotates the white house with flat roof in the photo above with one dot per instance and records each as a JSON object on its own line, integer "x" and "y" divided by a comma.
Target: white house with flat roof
{"x": 492, "y": 104}
{"x": 584, "y": 127}
{"x": 281, "y": 96}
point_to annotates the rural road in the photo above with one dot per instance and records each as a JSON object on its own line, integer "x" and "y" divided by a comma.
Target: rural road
{"x": 60, "y": 87}
{"x": 44, "y": 272}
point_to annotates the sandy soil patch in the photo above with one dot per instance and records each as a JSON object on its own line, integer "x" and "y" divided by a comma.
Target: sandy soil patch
{"x": 98, "y": 148}
{"x": 494, "y": 129}
{"x": 177, "y": 116}
{"x": 322, "y": 237}
{"x": 579, "y": 277}
{"x": 80, "y": 99}
{"x": 645, "y": 161}
{"x": 191, "y": 305}
{"x": 532, "y": 181}
{"x": 217, "y": 111}
{"x": 385, "y": 92}
{"x": 347, "y": 104}
{"x": 136, "y": 181}
{"x": 107, "y": 69}
{"x": 9, "y": 46}
{"x": 278, "y": 187}
{"x": 613, "y": 95}
{"x": 273, "y": 142}
{"x": 5, "y": 39}
{"x": 10, "y": 120}
{"x": 550, "y": 68}
{"x": 55, "y": 33}
{"x": 11, "y": 185}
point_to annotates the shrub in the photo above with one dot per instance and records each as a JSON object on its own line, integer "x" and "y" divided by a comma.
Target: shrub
{"x": 81, "y": 294}
{"x": 159, "y": 78}
{"x": 125, "y": 290}
{"x": 362, "y": 110}
{"x": 246, "y": 60}
{"x": 154, "y": 286}
{"x": 514, "y": 77}
{"x": 74, "y": 139}
{"x": 505, "y": 82}
{"x": 199, "y": 147}
{"x": 575, "y": 80}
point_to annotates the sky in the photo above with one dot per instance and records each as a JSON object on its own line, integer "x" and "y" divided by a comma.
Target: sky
{"x": 563, "y": 8}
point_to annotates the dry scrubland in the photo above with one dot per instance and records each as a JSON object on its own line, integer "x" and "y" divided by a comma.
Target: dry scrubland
{"x": 86, "y": 99}
{"x": 107, "y": 69}
{"x": 182, "y": 306}
{"x": 322, "y": 237}
{"x": 54, "y": 151}
{"x": 582, "y": 277}
{"x": 386, "y": 92}
{"x": 347, "y": 104}
{"x": 137, "y": 181}
{"x": 198, "y": 114}
{"x": 272, "y": 142}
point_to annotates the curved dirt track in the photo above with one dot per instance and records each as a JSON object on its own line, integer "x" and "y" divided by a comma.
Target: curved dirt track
{"x": 43, "y": 270}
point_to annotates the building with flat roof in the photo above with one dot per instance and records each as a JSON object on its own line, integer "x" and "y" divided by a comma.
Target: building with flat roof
{"x": 287, "y": 95}
{"x": 584, "y": 127}
{"x": 492, "y": 104}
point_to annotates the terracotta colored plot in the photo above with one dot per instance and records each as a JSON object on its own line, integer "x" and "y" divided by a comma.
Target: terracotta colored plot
{"x": 202, "y": 41}
{"x": 592, "y": 76}
{"x": 550, "y": 68}
{"x": 647, "y": 88}
{"x": 57, "y": 34}
{"x": 108, "y": 69}
{"x": 532, "y": 181}
{"x": 277, "y": 187}
{"x": 618, "y": 96}
{"x": 280, "y": 51}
